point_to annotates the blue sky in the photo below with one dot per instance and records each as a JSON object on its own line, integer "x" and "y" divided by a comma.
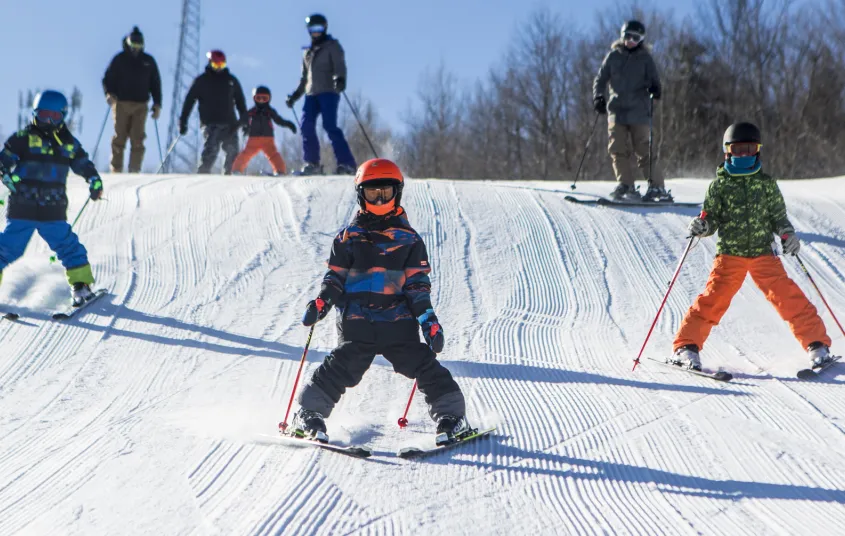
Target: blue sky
{"x": 388, "y": 43}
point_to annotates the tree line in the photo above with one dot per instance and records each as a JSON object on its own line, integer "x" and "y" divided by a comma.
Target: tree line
{"x": 777, "y": 63}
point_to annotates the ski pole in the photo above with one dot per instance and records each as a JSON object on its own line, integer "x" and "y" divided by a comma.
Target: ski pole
{"x": 360, "y": 124}
{"x": 804, "y": 268}
{"x": 100, "y": 137}
{"x": 586, "y": 147}
{"x": 403, "y": 421}
{"x": 158, "y": 140}
{"x": 650, "y": 135}
{"x": 296, "y": 116}
{"x": 72, "y": 225}
{"x": 666, "y": 297}
{"x": 284, "y": 424}
{"x": 167, "y": 155}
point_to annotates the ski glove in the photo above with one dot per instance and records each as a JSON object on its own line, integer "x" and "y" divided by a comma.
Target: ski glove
{"x": 183, "y": 129}
{"x": 10, "y": 181}
{"x": 432, "y": 331}
{"x": 289, "y": 125}
{"x": 339, "y": 84}
{"x": 315, "y": 311}
{"x": 699, "y": 226}
{"x": 599, "y": 105}
{"x": 110, "y": 100}
{"x": 654, "y": 91}
{"x": 156, "y": 111}
{"x": 292, "y": 98}
{"x": 791, "y": 243}
{"x": 95, "y": 188}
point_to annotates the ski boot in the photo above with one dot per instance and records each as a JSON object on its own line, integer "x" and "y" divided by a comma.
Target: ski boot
{"x": 309, "y": 424}
{"x": 311, "y": 169}
{"x": 658, "y": 195}
{"x": 451, "y": 429}
{"x": 343, "y": 169}
{"x": 687, "y": 356}
{"x": 623, "y": 193}
{"x": 818, "y": 353}
{"x": 81, "y": 293}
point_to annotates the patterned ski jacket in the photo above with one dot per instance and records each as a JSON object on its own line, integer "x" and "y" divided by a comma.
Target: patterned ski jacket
{"x": 42, "y": 162}
{"x": 746, "y": 211}
{"x": 378, "y": 279}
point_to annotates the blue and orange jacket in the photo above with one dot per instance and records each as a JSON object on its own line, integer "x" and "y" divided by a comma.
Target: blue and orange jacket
{"x": 42, "y": 162}
{"x": 378, "y": 278}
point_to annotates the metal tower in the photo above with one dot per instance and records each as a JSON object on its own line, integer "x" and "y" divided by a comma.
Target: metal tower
{"x": 186, "y": 153}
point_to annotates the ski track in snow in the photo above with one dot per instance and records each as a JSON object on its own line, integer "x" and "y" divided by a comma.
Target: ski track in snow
{"x": 150, "y": 406}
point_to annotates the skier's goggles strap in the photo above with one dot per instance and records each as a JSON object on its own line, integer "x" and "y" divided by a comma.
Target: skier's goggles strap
{"x": 49, "y": 116}
{"x": 743, "y": 148}
{"x": 374, "y": 193}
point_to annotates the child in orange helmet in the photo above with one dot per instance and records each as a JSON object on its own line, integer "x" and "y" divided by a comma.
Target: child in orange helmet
{"x": 378, "y": 279}
{"x": 259, "y": 128}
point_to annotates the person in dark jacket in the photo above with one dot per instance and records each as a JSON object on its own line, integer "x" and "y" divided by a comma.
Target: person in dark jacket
{"x": 323, "y": 80}
{"x": 131, "y": 79}
{"x": 378, "y": 279}
{"x": 219, "y": 94}
{"x": 34, "y": 165}
{"x": 259, "y": 128}
{"x": 632, "y": 75}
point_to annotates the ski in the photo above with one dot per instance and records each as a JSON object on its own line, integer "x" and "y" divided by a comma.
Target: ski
{"x": 811, "y": 373}
{"x": 73, "y": 311}
{"x": 11, "y": 316}
{"x": 719, "y": 376}
{"x": 416, "y": 452}
{"x": 353, "y": 451}
{"x": 603, "y": 201}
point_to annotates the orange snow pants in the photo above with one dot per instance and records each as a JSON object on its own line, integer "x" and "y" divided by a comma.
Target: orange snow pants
{"x": 769, "y": 275}
{"x": 255, "y": 145}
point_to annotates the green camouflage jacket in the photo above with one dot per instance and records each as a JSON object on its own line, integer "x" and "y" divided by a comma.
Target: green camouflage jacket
{"x": 746, "y": 211}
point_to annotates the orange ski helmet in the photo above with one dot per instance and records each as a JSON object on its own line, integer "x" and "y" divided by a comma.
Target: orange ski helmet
{"x": 379, "y": 173}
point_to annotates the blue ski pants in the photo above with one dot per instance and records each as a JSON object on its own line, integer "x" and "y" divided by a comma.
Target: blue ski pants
{"x": 57, "y": 234}
{"x": 324, "y": 104}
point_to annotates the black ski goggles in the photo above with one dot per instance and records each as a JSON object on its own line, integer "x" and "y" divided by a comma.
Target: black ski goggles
{"x": 632, "y": 36}
{"x": 384, "y": 193}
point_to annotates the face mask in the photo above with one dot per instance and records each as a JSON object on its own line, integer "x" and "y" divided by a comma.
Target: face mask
{"x": 743, "y": 162}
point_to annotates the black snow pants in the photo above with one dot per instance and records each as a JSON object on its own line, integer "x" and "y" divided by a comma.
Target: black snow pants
{"x": 217, "y": 135}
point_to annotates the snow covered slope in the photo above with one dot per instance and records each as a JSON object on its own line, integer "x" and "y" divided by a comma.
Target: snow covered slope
{"x": 145, "y": 414}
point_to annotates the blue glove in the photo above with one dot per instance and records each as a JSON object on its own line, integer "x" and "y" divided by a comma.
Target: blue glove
{"x": 10, "y": 181}
{"x": 95, "y": 188}
{"x": 315, "y": 311}
{"x": 432, "y": 331}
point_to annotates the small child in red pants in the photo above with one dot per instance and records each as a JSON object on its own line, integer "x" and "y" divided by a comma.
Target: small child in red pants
{"x": 259, "y": 128}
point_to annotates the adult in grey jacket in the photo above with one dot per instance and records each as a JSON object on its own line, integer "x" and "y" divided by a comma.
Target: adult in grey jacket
{"x": 631, "y": 75}
{"x": 323, "y": 80}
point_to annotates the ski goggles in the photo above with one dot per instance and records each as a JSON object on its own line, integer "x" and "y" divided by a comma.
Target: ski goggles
{"x": 135, "y": 46}
{"x": 218, "y": 65}
{"x": 49, "y": 116}
{"x": 262, "y": 99}
{"x": 743, "y": 148}
{"x": 317, "y": 28}
{"x": 373, "y": 194}
{"x": 632, "y": 36}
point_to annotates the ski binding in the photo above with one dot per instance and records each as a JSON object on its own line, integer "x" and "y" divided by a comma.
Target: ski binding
{"x": 353, "y": 451}
{"x": 811, "y": 373}
{"x": 471, "y": 435}
{"x": 73, "y": 311}
{"x": 719, "y": 376}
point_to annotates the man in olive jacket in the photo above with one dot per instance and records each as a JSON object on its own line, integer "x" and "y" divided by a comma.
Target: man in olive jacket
{"x": 323, "y": 80}
{"x": 630, "y": 72}
{"x": 130, "y": 80}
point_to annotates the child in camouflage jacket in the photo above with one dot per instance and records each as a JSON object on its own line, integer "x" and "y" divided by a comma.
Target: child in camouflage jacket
{"x": 746, "y": 207}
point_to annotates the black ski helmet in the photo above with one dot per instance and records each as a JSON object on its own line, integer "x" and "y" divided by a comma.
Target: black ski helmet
{"x": 261, "y": 90}
{"x": 633, "y": 26}
{"x": 316, "y": 19}
{"x": 742, "y": 132}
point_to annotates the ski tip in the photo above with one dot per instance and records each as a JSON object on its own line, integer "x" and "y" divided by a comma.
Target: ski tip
{"x": 11, "y": 316}
{"x": 723, "y": 376}
{"x": 61, "y": 316}
{"x": 806, "y": 374}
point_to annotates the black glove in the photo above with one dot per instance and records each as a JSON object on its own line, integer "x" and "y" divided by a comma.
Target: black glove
{"x": 654, "y": 91}
{"x": 95, "y": 188}
{"x": 315, "y": 311}
{"x": 183, "y": 129}
{"x": 432, "y": 331}
{"x": 599, "y": 105}
{"x": 292, "y": 98}
{"x": 245, "y": 127}
{"x": 289, "y": 125}
{"x": 339, "y": 84}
